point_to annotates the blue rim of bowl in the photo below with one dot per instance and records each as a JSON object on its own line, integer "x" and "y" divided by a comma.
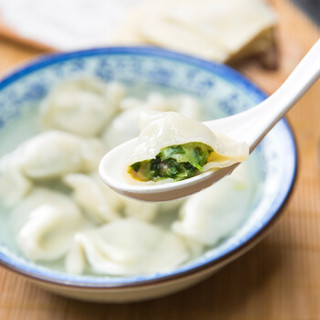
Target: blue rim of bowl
{"x": 95, "y": 283}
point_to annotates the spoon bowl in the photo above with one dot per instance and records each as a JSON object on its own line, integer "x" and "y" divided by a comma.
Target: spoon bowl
{"x": 116, "y": 179}
{"x": 249, "y": 126}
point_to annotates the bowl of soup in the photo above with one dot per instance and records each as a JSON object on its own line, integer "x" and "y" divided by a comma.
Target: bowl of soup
{"x": 63, "y": 229}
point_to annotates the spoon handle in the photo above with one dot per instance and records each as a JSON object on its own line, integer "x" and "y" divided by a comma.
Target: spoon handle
{"x": 252, "y": 125}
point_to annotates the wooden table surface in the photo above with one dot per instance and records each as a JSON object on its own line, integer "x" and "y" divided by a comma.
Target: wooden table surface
{"x": 279, "y": 279}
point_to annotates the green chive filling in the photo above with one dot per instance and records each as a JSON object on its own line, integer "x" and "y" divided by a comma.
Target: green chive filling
{"x": 177, "y": 162}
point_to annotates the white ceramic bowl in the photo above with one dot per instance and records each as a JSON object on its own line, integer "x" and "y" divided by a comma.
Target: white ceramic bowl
{"x": 223, "y": 92}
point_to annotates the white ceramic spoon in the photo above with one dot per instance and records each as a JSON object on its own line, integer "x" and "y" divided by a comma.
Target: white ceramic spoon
{"x": 249, "y": 126}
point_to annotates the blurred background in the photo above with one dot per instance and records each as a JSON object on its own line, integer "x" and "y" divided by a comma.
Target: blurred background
{"x": 61, "y": 25}
{"x": 311, "y": 7}
{"x": 224, "y": 31}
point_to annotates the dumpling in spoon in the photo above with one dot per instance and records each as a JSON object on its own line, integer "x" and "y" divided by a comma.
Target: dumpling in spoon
{"x": 173, "y": 147}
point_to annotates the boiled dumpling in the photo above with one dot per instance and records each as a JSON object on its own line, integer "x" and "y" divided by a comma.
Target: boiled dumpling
{"x": 187, "y": 106}
{"x": 155, "y": 101}
{"x": 13, "y": 184}
{"x": 50, "y": 155}
{"x": 125, "y": 126}
{"x": 100, "y": 203}
{"x": 92, "y": 151}
{"x": 48, "y": 232}
{"x": 82, "y": 106}
{"x": 126, "y": 247}
{"x": 44, "y": 224}
{"x": 122, "y": 128}
{"x": 130, "y": 103}
{"x": 182, "y": 103}
{"x": 53, "y": 154}
{"x": 115, "y": 92}
{"x": 173, "y": 146}
{"x": 213, "y": 213}
{"x": 146, "y": 211}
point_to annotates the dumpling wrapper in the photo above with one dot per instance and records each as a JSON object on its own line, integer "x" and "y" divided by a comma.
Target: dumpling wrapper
{"x": 126, "y": 247}
{"x": 160, "y": 130}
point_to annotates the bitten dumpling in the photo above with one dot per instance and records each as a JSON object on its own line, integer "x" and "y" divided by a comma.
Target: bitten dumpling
{"x": 173, "y": 146}
{"x": 126, "y": 247}
{"x": 82, "y": 106}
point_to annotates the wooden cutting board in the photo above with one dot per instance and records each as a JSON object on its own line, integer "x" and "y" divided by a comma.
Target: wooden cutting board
{"x": 278, "y": 280}
{"x": 8, "y": 33}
